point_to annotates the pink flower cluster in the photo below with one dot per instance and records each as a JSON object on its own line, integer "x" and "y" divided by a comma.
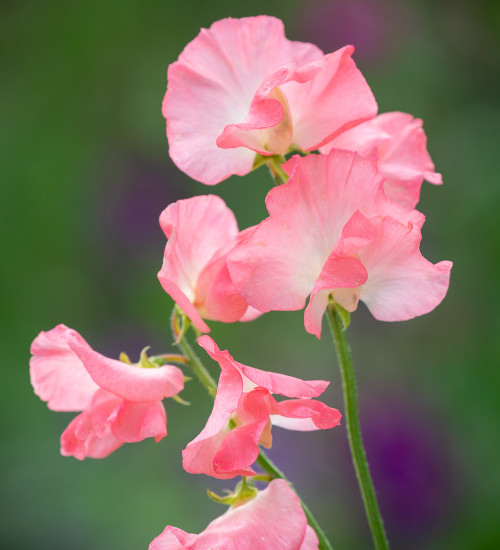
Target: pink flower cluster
{"x": 343, "y": 227}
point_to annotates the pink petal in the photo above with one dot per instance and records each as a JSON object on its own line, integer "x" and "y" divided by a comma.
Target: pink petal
{"x": 57, "y": 374}
{"x": 240, "y": 447}
{"x": 213, "y": 84}
{"x": 282, "y": 384}
{"x": 216, "y": 291}
{"x": 200, "y": 231}
{"x": 137, "y": 421}
{"x": 89, "y": 434}
{"x": 401, "y": 283}
{"x": 311, "y": 541}
{"x": 127, "y": 381}
{"x": 362, "y": 139}
{"x": 274, "y": 519}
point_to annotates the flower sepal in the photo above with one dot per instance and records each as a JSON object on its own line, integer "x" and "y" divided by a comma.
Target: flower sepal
{"x": 243, "y": 493}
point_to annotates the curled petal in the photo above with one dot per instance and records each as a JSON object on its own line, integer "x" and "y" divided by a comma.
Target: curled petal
{"x": 282, "y": 384}
{"x": 400, "y": 146}
{"x": 127, "y": 381}
{"x": 305, "y": 415}
{"x": 401, "y": 283}
{"x": 57, "y": 374}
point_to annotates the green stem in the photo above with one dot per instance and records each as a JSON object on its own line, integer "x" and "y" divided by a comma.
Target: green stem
{"x": 263, "y": 460}
{"x": 274, "y": 163}
{"x": 354, "y": 431}
{"x": 268, "y": 466}
{"x": 198, "y": 368}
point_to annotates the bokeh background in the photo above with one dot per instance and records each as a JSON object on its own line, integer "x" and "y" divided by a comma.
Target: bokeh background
{"x": 85, "y": 173}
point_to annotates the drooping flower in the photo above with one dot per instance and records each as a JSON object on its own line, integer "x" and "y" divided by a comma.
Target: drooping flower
{"x": 332, "y": 231}
{"x": 398, "y": 143}
{"x": 241, "y": 88}
{"x": 244, "y": 413}
{"x": 200, "y": 232}
{"x": 273, "y": 519}
{"x": 120, "y": 402}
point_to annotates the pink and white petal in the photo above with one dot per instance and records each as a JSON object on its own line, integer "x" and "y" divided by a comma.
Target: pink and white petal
{"x": 250, "y": 314}
{"x": 338, "y": 272}
{"x": 363, "y": 138}
{"x": 136, "y": 421}
{"x": 57, "y": 374}
{"x": 282, "y": 384}
{"x": 311, "y": 541}
{"x": 182, "y": 300}
{"x": 401, "y": 283}
{"x": 168, "y": 540}
{"x": 127, "y": 381}
{"x": 213, "y": 84}
{"x": 313, "y": 314}
{"x": 305, "y": 415}
{"x": 336, "y": 99}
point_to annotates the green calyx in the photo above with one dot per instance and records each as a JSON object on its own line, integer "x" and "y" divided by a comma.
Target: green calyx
{"x": 344, "y": 315}
{"x": 243, "y": 493}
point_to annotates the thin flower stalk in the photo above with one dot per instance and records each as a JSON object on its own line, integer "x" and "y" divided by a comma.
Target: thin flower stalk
{"x": 354, "y": 430}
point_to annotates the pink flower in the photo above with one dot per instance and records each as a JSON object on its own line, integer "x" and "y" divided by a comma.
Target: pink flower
{"x": 200, "y": 232}
{"x": 399, "y": 144}
{"x": 121, "y": 403}
{"x": 244, "y": 399}
{"x": 332, "y": 231}
{"x": 272, "y": 520}
{"x": 241, "y": 88}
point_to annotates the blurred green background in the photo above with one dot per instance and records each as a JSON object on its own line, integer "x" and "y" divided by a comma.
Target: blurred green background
{"x": 85, "y": 173}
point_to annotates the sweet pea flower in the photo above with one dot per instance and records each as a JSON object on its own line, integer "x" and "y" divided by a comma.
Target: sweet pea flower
{"x": 120, "y": 402}
{"x": 333, "y": 232}
{"x": 399, "y": 144}
{"x": 244, "y": 413}
{"x": 200, "y": 232}
{"x": 273, "y": 519}
{"x": 241, "y": 88}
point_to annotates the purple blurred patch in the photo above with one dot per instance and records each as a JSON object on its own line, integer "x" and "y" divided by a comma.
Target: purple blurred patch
{"x": 412, "y": 465}
{"x": 135, "y": 190}
{"x": 371, "y": 26}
